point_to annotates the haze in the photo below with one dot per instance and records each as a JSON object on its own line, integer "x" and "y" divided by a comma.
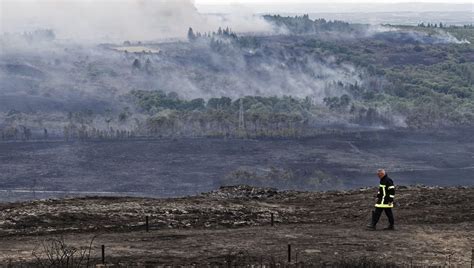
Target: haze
{"x": 152, "y": 20}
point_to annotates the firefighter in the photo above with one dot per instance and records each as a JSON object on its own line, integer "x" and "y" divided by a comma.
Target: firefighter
{"x": 385, "y": 198}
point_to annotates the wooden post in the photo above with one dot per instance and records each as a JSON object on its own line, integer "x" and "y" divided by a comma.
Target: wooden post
{"x": 103, "y": 254}
{"x": 289, "y": 253}
{"x": 272, "y": 219}
{"x": 472, "y": 257}
{"x": 146, "y": 224}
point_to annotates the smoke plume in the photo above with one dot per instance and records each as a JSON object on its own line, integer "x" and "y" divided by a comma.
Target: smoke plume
{"x": 107, "y": 20}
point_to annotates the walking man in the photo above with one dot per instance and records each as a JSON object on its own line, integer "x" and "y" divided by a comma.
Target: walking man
{"x": 385, "y": 198}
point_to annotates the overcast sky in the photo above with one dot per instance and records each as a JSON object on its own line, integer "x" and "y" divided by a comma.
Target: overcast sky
{"x": 334, "y": 6}
{"x": 202, "y": 2}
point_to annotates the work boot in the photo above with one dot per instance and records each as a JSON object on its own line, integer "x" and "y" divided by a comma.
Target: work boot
{"x": 371, "y": 227}
{"x": 389, "y": 228}
{"x": 372, "y": 223}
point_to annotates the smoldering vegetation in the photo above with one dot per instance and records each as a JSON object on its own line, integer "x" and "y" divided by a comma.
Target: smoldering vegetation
{"x": 338, "y": 29}
{"x": 63, "y": 84}
{"x": 296, "y": 104}
{"x": 412, "y": 37}
{"x": 223, "y": 83}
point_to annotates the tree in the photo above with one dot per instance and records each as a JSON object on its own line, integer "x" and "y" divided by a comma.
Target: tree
{"x": 196, "y": 104}
{"x": 417, "y": 48}
{"x": 191, "y": 35}
{"x": 148, "y": 66}
{"x": 344, "y": 100}
{"x": 124, "y": 115}
{"x": 137, "y": 65}
{"x": 108, "y": 117}
{"x": 219, "y": 103}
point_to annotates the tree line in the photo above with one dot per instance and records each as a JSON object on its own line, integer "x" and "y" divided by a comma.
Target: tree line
{"x": 304, "y": 25}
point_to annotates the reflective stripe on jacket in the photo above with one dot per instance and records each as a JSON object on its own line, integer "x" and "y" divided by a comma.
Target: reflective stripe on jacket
{"x": 386, "y": 193}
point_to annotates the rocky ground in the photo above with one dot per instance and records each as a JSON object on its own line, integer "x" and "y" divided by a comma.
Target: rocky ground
{"x": 435, "y": 227}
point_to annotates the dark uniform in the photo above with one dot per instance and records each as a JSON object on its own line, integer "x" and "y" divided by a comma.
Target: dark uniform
{"x": 385, "y": 198}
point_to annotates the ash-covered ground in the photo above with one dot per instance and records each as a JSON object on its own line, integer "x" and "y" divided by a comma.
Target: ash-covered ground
{"x": 232, "y": 226}
{"x": 189, "y": 166}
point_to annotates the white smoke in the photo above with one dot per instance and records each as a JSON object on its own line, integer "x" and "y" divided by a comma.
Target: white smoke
{"x": 107, "y": 20}
{"x": 447, "y": 37}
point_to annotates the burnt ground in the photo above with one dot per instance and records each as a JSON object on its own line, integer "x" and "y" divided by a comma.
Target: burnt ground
{"x": 435, "y": 227}
{"x": 189, "y": 166}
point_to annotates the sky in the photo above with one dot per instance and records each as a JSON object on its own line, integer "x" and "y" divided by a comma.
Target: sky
{"x": 334, "y": 6}
{"x": 205, "y": 2}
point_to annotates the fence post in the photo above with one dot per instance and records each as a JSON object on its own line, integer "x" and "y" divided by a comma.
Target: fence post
{"x": 289, "y": 253}
{"x": 103, "y": 254}
{"x": 146, "y": 224}
{"x": 272, "y": 219}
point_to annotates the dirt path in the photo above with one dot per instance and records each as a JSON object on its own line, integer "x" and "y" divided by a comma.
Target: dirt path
{"x": 435, "y": 226}
{"x": 311, "y": 243}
